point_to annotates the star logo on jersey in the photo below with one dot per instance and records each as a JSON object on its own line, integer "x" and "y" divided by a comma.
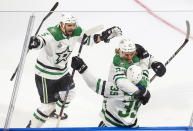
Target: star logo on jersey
{"x": 63, "y": 56}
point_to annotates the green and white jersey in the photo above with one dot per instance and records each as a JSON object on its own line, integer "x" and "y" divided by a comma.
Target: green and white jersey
{"x": 119, "y": 108}
{"x": 118, "y": 76}
{"x": 118, "y": 73}
{"x": 120, "y": 111}
{"x": 56, "y": 49}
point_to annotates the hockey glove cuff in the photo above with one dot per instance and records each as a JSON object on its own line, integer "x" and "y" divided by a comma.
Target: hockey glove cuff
{"x": 142, "y": 94}
{"x": 78, "y": 64}
{"x": 158, "y": 68}
{"x": 34, "y": 42}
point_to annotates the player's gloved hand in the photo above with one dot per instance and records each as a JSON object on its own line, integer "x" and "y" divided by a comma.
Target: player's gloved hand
{"x": 34, "y": 42}
{"x": 145, "y": 79}
{"x": 142, "y": 94}
{"x": 61, "y": 96}
{"x": 78, "y": 64}
{"x": 158, "y": 68}
{"x": 108, "y": 34}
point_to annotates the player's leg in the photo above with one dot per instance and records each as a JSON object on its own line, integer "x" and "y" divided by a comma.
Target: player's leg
{"x": 47, "y": 96}
{"x": 61, "y": 85}
{"x": 102, "y": 124}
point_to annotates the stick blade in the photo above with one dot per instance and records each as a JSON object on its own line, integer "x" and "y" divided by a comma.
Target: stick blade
{"x": 94, "y": 30}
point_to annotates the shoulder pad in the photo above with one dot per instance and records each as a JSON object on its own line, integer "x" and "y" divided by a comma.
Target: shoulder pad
{"x": 118, "y": 61}
{"x": 141, "y": 52}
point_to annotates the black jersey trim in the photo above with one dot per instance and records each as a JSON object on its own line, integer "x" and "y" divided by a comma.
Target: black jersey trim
{"x": 115, "y": 119}
{"x": 118, "y": 75}
{"x": 103, "y": 88}
{"x": 53, "y": 68}
{"x": 42, "y": 114}
{"x": 145, "y": 74}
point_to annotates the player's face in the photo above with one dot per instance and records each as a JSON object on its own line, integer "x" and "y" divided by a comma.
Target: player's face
{"x": 69, "y": 28}
{"x": 128, "y": 56}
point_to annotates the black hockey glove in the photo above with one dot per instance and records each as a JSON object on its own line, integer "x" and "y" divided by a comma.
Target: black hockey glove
{"x": 78, "y": 64}
{"x": 141, "y": 52}
{"x": 108, "y": 34}
{"x": 34, "y": 42}
{"x": 142, "y": 94}
{"x": 158, "y": 68}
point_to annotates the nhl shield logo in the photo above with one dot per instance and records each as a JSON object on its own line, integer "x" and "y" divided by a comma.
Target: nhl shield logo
{"x": 60, "y": 45}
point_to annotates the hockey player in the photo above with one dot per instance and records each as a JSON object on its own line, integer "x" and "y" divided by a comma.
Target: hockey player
{"x": 52, "y": 76}
{"x": 127, "y": 54}
{"x": 119, "y": 108}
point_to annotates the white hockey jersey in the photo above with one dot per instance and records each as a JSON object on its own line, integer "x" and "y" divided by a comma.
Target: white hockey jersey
{"x": 56, "y": 49}
{"x": 119, "y": 108}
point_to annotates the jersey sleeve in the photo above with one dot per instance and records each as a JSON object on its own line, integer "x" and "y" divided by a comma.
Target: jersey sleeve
{"x": 146, "y": 59}
{"x": 101, "y": 87}
{"x": 118, "y": 75}
{"x": 46, "y": 39}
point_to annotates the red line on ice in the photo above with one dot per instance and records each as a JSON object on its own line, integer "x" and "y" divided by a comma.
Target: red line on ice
{"x": 161, "y": 19}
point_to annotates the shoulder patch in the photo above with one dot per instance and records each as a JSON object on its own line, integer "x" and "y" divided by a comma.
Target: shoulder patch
{"x": 56, "y": 33}
{"x": 118, "y": 61}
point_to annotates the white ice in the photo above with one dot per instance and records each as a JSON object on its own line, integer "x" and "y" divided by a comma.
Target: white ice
{"x": 171, "y": 102}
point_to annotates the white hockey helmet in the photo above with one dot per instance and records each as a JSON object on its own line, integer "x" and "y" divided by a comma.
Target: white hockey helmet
{"x": 68, "y": 18}
{"x": 126, "y": 45}
{"x": 134, "y": 73}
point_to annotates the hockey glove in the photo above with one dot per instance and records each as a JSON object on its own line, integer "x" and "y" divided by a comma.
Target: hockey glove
{"x": 142, "y": 94}
{"x": 34, "y": 42}
{"x": 78, "y": 64}
{"x": 109, "y": 34}
{"x": 158, "y": 68}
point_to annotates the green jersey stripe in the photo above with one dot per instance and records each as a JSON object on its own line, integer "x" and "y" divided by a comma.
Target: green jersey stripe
{"x": 98, "y": 85}
{"x": 46, "y": 92}
{"x": 60, "y": 105}
{"x": 88, "y": 43}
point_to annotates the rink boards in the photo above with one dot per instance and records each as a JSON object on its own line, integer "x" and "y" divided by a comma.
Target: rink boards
{"x": 100, "y": 129}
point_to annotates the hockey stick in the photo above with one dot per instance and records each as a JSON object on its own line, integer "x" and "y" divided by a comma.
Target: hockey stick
{"x": 179, "y": 49}
{"x": 50, "y": 12}
{"x": 84, "y": 40}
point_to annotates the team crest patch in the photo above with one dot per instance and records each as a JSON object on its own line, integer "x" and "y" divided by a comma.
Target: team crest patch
{"x": 53, "y": 30}
{"x": 121, "y": 64}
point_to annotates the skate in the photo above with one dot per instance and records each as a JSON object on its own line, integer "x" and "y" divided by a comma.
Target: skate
{"x": 29, "y": 124}
{"x": 54, "y": 115}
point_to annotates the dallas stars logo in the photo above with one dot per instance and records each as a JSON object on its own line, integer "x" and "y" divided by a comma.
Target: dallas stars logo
{"x": 63, "y": 56}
